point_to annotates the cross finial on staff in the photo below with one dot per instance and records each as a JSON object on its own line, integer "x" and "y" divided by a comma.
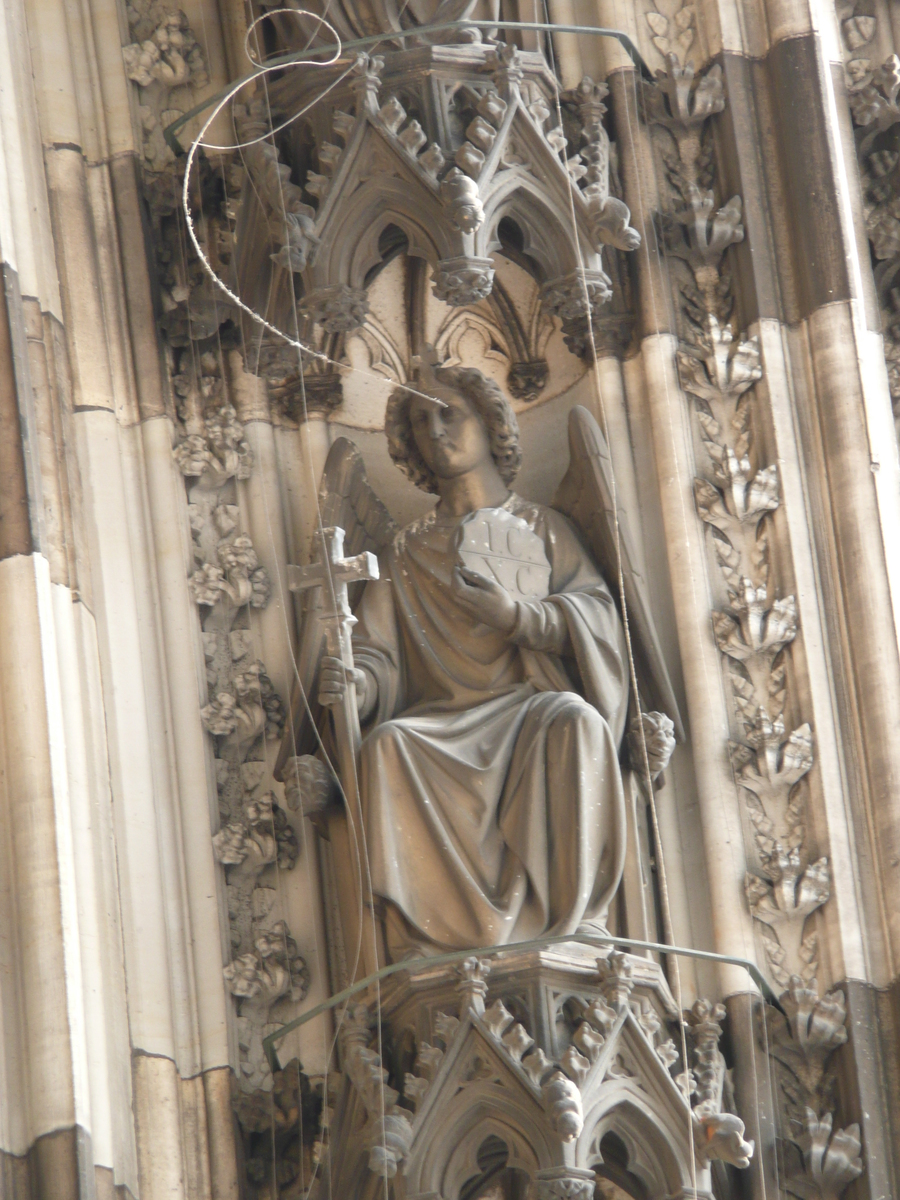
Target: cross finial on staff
{"x": 330, "y": 570}
{"x": 424, "y": 366}
{"x": 332, "y": 573}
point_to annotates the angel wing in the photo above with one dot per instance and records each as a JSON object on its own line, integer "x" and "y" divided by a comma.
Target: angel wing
{"x": 346, "y": 499}
{"x": 586, "y": 497}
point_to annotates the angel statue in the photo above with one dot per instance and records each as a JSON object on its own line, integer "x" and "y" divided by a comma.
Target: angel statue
{"x": 491, "y": 676}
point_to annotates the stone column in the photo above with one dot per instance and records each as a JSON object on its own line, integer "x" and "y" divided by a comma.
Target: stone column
{"x": 707, "y": 709}
{"x": 129, "y": 670}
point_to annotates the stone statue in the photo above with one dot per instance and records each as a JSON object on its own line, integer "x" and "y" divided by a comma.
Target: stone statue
{"x": 491, "y": 676}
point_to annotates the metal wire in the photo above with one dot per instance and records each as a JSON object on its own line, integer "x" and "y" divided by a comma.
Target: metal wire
{"x": 454, "y": 956}
{"x": 170, "y": 133}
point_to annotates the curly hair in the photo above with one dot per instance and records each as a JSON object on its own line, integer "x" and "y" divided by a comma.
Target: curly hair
{"x": 488, "y": 401}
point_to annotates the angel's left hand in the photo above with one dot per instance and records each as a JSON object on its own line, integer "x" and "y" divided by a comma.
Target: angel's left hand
{"x": 484, "y": 599}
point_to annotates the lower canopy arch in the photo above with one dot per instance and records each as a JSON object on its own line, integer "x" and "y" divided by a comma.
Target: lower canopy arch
{"x": 451, "y": 1163}
{"x": 641, "y": 1151}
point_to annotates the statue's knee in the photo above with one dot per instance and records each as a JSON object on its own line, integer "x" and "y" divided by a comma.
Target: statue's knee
{"x": 576, "y": 715}
{"x": 381, "y": 737}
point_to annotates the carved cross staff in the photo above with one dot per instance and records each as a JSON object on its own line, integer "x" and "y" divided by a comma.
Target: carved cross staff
{"x": 331, "y": 573}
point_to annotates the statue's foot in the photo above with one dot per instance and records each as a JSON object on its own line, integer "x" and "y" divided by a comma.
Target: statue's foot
{"x": 403, "y": 941}
{"x": 594, "y": 930}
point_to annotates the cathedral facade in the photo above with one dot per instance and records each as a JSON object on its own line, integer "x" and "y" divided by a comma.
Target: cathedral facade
{"x": 450, "y": 561}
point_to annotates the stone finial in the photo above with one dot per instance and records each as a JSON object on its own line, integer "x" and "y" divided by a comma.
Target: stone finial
{"x": 473, "y": 973}
{"x": 460, "y": 194}
{"x": 616, "y": 979}
{"x": 562, "y": 1100}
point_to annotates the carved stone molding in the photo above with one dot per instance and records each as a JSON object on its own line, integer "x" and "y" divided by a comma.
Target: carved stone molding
{"x": 258, "y": 979}
{"x": 278, "y": 1131}
{"x": 819, "y": 1160}
{"x": 673, "y": 29}
{"x": 736, "y": 493}
{"x": 735, "y": 496}
{"x": 165, "y": 62}
{"x": 243, "y": 712}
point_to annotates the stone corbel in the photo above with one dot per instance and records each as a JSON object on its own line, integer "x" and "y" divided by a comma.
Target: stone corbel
{"x": 463, "y": 280}
{"x": 337, "y": 309}
{"x": 312, "y": 395}
{"x": 526, "y": 380}
{"x": 565, "y": 1183}
{"x": 577, "y": 299}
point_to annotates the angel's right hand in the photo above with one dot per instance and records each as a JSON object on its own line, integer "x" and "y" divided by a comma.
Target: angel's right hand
{"x": 333, "y": 680}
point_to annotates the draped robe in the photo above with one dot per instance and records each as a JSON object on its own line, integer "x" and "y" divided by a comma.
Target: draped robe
{"x": 491, "y": 788}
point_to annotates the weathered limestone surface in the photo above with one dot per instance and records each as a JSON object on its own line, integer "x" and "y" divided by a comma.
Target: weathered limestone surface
{"x": 706, "y": 260}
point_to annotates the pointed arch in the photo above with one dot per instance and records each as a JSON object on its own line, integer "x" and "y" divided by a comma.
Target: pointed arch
{"x": 657, "y": 1142}
{"x": 351, "y": 250}
{"x": 544, "y": 221}
{"x": 446, "y": 1162}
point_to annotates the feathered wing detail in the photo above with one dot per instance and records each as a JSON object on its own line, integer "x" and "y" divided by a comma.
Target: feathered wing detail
{"x": 586, "y": 497}
{"x": 346, "y": 499}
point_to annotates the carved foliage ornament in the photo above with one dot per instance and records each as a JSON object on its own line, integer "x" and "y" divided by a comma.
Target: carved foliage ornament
{"x": 873, "y": 95}
{"x": 166, "y": 63}
{"x": 735, "y": 497}
{"x": 242, "y": 713}
{"x": 820, "y": 1161}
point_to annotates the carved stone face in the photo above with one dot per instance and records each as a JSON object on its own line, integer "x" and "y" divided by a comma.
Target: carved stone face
{"x": 452, "y": 439}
